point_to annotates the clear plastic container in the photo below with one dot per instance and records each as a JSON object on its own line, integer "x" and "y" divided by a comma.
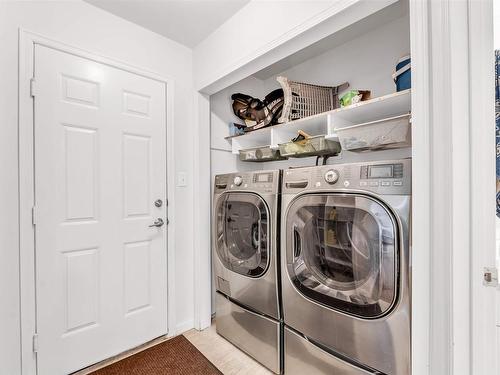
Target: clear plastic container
{"x": 393, "y": 132}
{"x": 314, "y": 146}
{"x": 257, "y": 154}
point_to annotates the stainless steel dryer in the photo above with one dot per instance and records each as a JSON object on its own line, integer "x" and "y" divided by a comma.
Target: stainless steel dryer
{"x": 345, "y": 268}
{"x": 245, "y": 259}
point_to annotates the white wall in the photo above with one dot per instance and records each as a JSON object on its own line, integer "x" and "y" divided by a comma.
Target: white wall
{"x": 82, "y": 25}
{"x": 366, "y": 62}
{"x": 284, "y": 27}
{"x": 274, "y": 19}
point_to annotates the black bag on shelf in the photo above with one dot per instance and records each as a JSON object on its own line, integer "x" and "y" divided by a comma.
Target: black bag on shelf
{"x": 258, "y": 113}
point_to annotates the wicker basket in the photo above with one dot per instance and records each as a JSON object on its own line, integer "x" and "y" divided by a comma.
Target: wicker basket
{"x": 303, "y": 99}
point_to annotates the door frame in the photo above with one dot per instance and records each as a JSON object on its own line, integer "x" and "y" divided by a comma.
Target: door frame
{"x": 484, "y": 342}
{"x": 27, "y": 264}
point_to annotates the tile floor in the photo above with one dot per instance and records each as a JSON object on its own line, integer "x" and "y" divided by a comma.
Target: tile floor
{"x": 224, "y": 355}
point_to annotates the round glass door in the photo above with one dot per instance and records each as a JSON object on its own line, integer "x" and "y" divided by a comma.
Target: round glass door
{"x": 242, "y": 233}
{"x": 341, "y": 251}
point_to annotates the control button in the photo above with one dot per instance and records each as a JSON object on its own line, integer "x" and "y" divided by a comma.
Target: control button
{"x": 346, "y": 183}
{"x": 363, "y": 183}
{"x": 385, "y": 183}
{"x": 318, "y": 184}
{"x": 373, "y": 183}
{"x": 246, "y": 185}
{"x": 398, "y": 183}
{"x": 238, "y": 180}
{"x": 332, "y": 176}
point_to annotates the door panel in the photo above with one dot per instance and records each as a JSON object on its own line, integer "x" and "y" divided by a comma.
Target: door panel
{"x": 137, "y": 276}
{"x": 82, "y": 289}
{"x": 80, "y": 173}
{"x": 136, "y": 175}
{"x": 100, "y": 163}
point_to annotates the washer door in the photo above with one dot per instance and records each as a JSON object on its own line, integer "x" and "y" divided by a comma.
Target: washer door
{"x": 242, "y": 227}
{"x": 341, "y": 251}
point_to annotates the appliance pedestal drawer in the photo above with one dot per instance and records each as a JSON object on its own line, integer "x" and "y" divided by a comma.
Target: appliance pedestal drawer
{"x": 303, "y": 357}
{"x": 255, "y": 334}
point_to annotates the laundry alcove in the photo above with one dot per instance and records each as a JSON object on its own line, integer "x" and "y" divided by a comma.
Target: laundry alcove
{"x": 364, "y": 54}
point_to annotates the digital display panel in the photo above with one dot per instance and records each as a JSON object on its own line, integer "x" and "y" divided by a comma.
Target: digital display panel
{"x": 380, "y": 171}
{"x": 264, "y": 177}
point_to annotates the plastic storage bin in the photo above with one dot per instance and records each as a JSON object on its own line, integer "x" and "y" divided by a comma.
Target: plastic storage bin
{"x": 402, "y": 75}
{"x": 387, "y": 133}
{"x": 314, "y": 146}
{"x": 260, "y": 154}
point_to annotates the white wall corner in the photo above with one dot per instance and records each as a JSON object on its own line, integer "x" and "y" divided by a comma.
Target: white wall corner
{"x": 183, "y": 326}
{"x": 201, "y": 213}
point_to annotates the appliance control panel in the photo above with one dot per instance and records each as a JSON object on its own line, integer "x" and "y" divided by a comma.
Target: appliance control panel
{"x": 259, "y": 181}
{"x": 391, "y": 177}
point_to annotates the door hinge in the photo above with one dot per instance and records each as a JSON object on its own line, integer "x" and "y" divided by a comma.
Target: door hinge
{"x": 490, "y": 276}
{"x": 33, "y": 87}
{"x": 33, "y": 215}
{"x": 35, "y": 343}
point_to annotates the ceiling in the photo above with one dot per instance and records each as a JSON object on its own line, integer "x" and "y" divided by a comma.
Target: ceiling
{"x": 185, "y": 21}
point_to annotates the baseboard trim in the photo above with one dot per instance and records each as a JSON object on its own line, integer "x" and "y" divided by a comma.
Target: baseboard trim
{"x": 184, "y": 327}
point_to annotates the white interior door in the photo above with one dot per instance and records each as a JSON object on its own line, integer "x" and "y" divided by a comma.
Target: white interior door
{"x": 100, "y": 165}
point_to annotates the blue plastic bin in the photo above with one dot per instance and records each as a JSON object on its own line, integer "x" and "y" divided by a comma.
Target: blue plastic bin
{"x": 402, "y": 75}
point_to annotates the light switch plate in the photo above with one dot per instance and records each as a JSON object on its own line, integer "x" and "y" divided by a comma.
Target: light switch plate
{"x": 181, "y": 179}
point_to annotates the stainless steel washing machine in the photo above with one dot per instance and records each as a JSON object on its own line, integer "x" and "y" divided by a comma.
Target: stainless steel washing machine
{"x": 345, "y": 268}
{"x": 245, "y": 259}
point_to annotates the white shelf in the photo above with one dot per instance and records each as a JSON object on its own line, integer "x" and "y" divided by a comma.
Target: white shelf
{"x": 386, "y": 106}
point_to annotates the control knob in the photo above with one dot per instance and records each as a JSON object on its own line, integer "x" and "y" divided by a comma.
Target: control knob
{"x": 238, "y": 180}
{"x": 332, "y": 176}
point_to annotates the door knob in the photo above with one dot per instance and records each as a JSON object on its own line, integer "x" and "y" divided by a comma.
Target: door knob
{"x": 158, "y": 223}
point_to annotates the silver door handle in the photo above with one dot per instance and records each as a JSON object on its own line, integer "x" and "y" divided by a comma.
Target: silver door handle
{"x": 158, "y": 223}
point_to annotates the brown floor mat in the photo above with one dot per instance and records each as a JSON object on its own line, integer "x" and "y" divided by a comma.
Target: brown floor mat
{"x": 172, "y": 357}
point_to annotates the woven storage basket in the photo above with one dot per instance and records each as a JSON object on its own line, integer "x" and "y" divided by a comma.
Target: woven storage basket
{"x": 303, "y": 99}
